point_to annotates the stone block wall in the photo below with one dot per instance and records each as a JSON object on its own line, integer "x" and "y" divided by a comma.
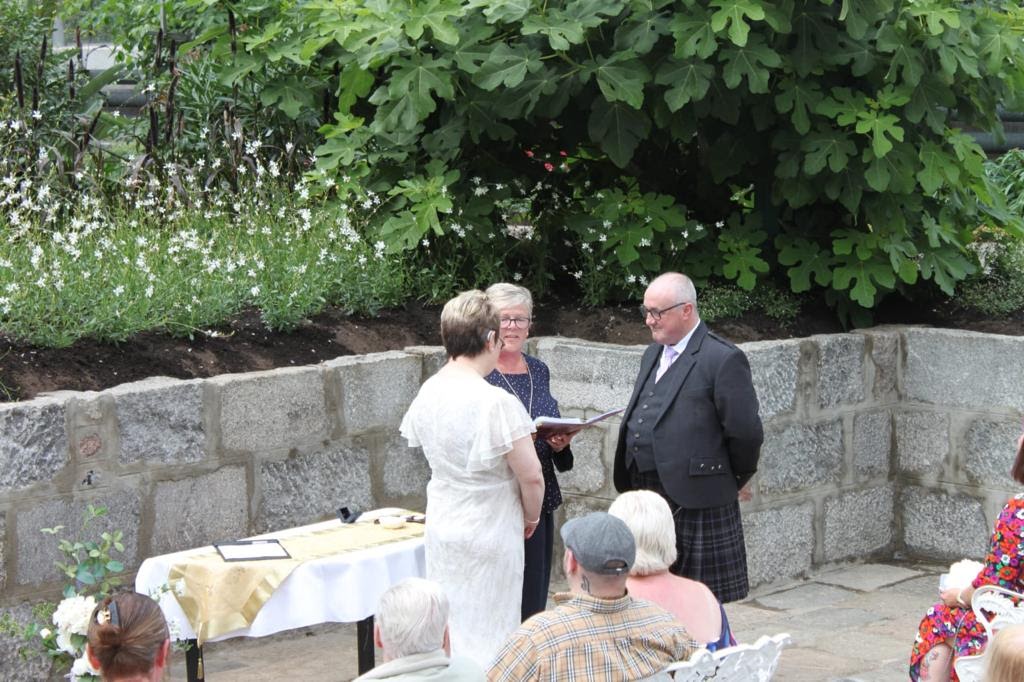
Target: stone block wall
{"x": 184, "y": 463}
{"x": 880, "y": 441}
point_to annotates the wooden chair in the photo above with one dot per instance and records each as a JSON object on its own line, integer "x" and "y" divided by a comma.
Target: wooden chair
{"x": 740, "y": 663}
{"x": 995, "y": 608}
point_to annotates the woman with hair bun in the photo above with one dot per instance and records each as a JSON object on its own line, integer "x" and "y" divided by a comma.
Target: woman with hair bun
{"x": 128, "y": 639}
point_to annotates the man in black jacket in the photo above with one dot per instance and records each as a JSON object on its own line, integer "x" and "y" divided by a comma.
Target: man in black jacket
{"x": 691, "y": 432}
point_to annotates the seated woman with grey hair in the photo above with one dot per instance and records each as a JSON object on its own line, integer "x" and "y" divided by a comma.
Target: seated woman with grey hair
{"x": 648, "y": 516}
{"x": 411, "y": 628}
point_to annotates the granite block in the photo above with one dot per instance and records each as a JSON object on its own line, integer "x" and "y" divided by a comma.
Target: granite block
{"x": 780, "y": 542}
{"x": 266, "y": 411}
{"x": 310, "y": 487}
{"x": 800, "y": 456}
{"x": 775, "y": 368}
{"x": 160, "y": 420}
{"x": 922, "y": 441}
{"x": 197, "y": 511}
{"x": 33, "y": 442}
{"x": 858, "y": 523}
{"x": 840, "y": 369}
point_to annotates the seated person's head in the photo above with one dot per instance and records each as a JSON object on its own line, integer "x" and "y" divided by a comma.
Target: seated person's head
{"x": 649, "y": 518}
{"x": 412, "y": 618}
{"x": 1005, "y": 654}
{"x": 599, "y": 551}
{"x": 468, "y": 322}
{"x": 128, "y": 638}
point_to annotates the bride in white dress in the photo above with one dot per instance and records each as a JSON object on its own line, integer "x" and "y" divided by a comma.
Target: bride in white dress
{"x": 486, "y": 485}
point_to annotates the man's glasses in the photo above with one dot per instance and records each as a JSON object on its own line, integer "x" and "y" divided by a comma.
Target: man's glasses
{"x": 515, "y": 322}
{"x": 655, "y": 313}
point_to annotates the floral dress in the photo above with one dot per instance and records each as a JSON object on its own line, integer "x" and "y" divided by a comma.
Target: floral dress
{"x": 1003, "y": 568}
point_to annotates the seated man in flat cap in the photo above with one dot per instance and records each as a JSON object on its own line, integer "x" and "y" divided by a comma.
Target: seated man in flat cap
{"x": 597, "y": 631}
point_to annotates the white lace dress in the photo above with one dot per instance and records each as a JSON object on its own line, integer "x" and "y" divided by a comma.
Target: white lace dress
{"x": 474, "y": 532}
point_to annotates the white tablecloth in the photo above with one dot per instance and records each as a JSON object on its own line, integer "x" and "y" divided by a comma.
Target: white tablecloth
{"x": 337, "y": 589}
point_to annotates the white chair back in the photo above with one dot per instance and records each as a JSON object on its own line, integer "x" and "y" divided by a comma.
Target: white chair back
{"x": 740, "y": 663}
{"x": 995, "y": 608}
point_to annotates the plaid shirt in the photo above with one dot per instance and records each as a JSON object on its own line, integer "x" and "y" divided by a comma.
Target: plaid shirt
{"x": 588, "y": 638}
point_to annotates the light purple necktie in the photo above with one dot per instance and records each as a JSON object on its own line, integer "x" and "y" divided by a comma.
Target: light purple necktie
{"x": 668, "y": 356}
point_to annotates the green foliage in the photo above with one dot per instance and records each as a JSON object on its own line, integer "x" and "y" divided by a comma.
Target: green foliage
{"x": 90, "y": 563}
{"x": 814, "y": 140}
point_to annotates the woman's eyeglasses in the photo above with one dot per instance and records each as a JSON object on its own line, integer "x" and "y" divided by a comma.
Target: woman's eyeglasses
{"x": 515, "y": 322}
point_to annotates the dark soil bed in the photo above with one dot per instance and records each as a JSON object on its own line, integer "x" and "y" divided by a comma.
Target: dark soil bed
{"x": 246, "y": 345}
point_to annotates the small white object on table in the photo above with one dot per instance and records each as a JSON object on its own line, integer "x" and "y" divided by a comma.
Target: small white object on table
{"x": 342, "y": 588}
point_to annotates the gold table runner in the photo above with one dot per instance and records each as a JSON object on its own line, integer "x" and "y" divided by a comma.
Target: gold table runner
{"x": 221, "y": 596}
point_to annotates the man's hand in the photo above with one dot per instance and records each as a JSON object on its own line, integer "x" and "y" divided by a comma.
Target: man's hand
{"x": 745, "y": 494}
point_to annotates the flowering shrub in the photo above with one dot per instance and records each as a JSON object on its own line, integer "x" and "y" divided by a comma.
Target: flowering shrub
{"x": 176, "y": 246}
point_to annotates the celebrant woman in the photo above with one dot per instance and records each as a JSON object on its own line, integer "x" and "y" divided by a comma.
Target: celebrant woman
{"x": 486, "y": 485}
{"x": 528, "y": 379}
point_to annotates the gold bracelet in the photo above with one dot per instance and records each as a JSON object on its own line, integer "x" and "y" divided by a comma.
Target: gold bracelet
{"x": 533, "y": 523}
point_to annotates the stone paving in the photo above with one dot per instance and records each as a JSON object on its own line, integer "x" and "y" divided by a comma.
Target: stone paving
{"x": 849, "y": 623}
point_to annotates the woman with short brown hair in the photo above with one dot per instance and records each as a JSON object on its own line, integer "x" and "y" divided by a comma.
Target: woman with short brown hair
{"x": 486, "y": 486}
{"x": 128, "y": 639}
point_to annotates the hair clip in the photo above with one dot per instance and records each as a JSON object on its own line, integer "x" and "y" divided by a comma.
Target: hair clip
{"x": 109, "y": 615}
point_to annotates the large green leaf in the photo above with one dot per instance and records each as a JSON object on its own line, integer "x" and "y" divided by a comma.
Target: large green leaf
{"x": 860, "y": 55}
{"x": 473, "y": 48}
{"x": 621, "y": 78}
{"x": 501, "y": 10}
{"x": 752, "y": 63}
{"x": 290, "y": 96}
{"x": 807, "y": 260}
{"x": 693, "y": 34}
{"x": 618, "y": 129}
{"x": 434, "y": 14}
{"x": 967, "y": 151}
{"x": 881, "y": 127}
{"x": 1000, "y": 44}
{"x": 418, "y": 81}
{"x": 931, "y": 100}
{"x": 937, "y": 19}
{"x": 945, "y": 266}
{"x": 937, "y": 167}
{"x": 815, "y": 36}
{"x": 507, "y": 66}
{"x": 799, "y": 97}
{"x": 859, "y": 15}
{"x": 734, "y": 14}
{"x": 688, "y": 80}
{"x": 520, "y": 101}
{"x": 561, "y": 31}
{"x": 905, "y": 56}
{"x": 641, "y": 36}
{"x": 833, "y": 149}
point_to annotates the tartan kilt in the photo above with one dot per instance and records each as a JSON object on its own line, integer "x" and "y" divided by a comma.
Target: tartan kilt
{"x": 709, "y": 542}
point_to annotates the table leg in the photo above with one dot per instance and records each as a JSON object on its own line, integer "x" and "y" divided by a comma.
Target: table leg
{"x": 194, "y": 662}
{"x": 364, "y": 644}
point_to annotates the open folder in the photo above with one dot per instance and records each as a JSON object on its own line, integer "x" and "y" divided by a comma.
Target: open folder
{"x": 547, "y": 426}
{"x": 251, "y": 550}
